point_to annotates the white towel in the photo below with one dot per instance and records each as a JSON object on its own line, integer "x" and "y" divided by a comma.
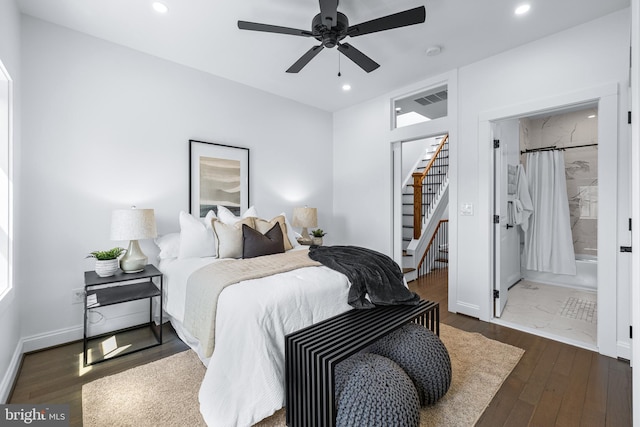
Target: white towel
{"x": 512, "y": 179}
{"x": 521, "y": 206}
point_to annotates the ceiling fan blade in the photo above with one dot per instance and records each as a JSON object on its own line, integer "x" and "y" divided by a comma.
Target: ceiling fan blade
{"x": 397, "y": 20}
{"x": 362, "y": 60}
{"x": 304, "y": 59}
{"x": 254, "y": 26}
{"x": 329, "y": 12}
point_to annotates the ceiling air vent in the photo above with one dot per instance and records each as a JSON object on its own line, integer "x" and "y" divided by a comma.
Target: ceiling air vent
{"x": 433, "y": 98}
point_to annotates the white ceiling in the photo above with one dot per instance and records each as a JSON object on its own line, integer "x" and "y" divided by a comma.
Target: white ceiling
{"x": 203, "y": 34}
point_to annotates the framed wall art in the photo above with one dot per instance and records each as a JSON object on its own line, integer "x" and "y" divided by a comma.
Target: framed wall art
{"x": 218, "y": 175}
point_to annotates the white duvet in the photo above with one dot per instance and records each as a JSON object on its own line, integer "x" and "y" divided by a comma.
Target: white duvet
{"x": 244, "y": 382}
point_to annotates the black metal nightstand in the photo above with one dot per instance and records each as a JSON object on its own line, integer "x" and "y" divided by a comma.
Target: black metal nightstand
{"x": 117, "y": 289}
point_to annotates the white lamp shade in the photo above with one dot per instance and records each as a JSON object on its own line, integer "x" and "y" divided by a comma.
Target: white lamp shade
{"x": 133, "y": 224}
{"x": 305, "y": 217}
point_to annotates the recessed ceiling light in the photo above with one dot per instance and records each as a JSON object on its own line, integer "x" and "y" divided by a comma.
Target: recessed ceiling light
{"x": 522, "y": 9}
{"x": 346, "y": 87}
{"x": 398, "y": 109}
{"x": 433, "y": 51}
{"x": 593, "y": 116}
{"x": 160, "y": 7}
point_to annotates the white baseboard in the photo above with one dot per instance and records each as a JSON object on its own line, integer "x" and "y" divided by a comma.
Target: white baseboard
{"x": 109, "y": 323}
{"x": 50, "y": 339}
{"x": 114, "y": 321}
{"x": 472, "y": 310}
{"x": 11, "y": 374}
{"x": 624, "y": 350}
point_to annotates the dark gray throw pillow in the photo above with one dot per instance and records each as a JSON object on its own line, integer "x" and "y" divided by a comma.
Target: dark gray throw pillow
{"x": 256, "y": 244}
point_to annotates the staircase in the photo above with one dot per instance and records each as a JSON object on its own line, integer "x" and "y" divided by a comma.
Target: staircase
{"x": 437, "y": 253}
{"x": 424, "y": 199}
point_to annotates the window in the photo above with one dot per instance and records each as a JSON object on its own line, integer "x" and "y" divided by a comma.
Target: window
{"x": 6, "y": 136}
{"x": 421, "y": 107}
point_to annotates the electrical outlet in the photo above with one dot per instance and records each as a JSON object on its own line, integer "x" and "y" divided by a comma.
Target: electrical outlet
{"x": 77, "y": 296}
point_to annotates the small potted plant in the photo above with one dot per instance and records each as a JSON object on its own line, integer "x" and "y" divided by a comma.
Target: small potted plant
{"x": 317, "y": 236}
{"x": 107, "y": 262}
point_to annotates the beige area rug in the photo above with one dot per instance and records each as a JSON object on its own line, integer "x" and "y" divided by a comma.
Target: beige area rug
{"x": 165, "y": 393}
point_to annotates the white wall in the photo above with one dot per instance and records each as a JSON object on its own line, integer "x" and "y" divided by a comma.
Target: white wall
{"x": 9, "y": 307}
{"x": 109, "y": 127}
{"x": 589, "y": 55}
{"x": 413, "y": 152}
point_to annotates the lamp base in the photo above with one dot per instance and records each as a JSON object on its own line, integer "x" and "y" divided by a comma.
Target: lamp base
{"x": 134, "y": 261}
{"x": 305, "y": 239}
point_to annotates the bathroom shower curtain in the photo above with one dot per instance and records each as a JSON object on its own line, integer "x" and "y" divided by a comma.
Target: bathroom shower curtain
{"x": 548, "y": 240}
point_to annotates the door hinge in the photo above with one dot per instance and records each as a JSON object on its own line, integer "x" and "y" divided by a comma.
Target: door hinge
{"x": 630, "y": 332}
{"x": 629, "y": 117}
{"x": 496, "y": 219}
{"x": 625, "y": 248}
{"x": 496, "y": 294}
{"x": 630, "y": 224}
{"x": 496, "y": 143}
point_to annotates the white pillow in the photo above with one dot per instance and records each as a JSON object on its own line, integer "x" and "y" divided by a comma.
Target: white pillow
{"x": 169, "y": 245}
{"x": 207, "y": 220}
{"x": 291, "y": 233}
{"x": 197, "y": 239}
{"x": 227, "y": 217}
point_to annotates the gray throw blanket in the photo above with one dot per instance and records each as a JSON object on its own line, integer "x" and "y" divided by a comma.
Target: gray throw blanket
{"x": 370, "y": 273}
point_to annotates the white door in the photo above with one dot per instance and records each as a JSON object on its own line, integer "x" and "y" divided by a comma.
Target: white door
{"x": 506, "y": 235}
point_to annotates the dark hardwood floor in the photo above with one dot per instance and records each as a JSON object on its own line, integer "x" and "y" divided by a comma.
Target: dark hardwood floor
{"x": 554, "y": 384}
{"x": 56, "y": 375}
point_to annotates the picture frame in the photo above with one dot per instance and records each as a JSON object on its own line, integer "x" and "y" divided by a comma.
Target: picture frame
{"x": 218, "y": 175}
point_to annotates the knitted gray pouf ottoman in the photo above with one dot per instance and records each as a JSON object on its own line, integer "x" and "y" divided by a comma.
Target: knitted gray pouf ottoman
{"x": 373, "y": 391}
{"x": 423, "y": 357}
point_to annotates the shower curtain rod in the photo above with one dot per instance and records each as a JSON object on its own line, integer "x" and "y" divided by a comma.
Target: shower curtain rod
{"x": 533, "y": 150}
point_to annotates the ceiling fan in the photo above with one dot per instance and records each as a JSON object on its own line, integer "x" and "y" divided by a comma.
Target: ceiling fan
{"x": 330, "y": 27}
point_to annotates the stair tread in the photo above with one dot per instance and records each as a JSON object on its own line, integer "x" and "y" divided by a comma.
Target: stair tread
{"x": 436, "y": 174}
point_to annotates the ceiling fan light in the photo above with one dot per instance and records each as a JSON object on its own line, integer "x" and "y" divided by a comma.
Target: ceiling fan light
{"x": 346, "y": 87}
{"x": 330, "y": 27}
{"x": 433, "y": 51}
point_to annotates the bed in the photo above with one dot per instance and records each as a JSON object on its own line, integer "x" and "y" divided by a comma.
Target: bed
{"x": 244, "y": 381}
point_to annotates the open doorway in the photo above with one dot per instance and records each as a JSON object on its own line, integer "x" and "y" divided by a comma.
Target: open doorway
{"x": 611, "y": 280}
{"x": 421, "y": 204}
{"x": 546, "y": 196}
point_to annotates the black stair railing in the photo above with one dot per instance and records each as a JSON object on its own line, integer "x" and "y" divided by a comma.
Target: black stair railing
{"x": 426, "y": 185}
{"x": 437, "y": 249}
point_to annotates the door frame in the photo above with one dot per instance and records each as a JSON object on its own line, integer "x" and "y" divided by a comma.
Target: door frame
{"x": 397, "y": 179}
{"x": 606, "y": 97}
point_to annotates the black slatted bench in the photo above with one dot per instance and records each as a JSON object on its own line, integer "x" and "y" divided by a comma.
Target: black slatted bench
{"x": 312, "y": 353}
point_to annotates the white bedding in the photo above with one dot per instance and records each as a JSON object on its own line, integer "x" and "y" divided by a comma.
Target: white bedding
{"x": 244, "y": 382}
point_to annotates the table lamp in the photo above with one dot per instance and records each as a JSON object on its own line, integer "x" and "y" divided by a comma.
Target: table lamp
{"x": 133, "y": 224}
{"x": 305, "y": 217}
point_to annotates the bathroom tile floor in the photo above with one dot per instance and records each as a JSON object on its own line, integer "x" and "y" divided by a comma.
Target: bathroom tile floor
{"x": 565, "y": 314}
